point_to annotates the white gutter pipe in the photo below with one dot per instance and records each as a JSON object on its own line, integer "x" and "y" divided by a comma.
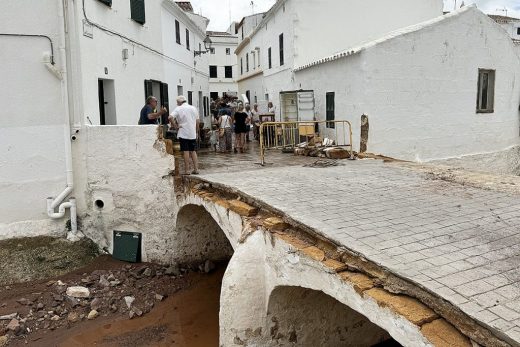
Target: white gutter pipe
{"x": 53, "y": 203}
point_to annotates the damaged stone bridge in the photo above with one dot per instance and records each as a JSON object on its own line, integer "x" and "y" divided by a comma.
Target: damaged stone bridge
{"x": 356, "y": 255}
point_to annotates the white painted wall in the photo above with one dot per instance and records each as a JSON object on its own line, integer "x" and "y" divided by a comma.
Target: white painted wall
{"x": 177, "y": 67}
{"x": 32, "y": 165}
{"x": 419, "y": 89}
{"x": 220, "y": 59}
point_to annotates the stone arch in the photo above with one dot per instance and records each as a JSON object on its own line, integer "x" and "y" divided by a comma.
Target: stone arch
{"x": 299, "y": 316}
{"x": 198, "y": 237}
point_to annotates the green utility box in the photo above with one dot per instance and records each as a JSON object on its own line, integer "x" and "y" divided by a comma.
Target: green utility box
{"x": 127, "y": 246}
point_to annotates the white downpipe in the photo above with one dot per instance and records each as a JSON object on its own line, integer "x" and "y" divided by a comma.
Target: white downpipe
{"x": 53, "y": 203}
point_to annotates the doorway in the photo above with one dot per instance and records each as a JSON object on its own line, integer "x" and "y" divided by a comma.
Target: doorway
{"x": 107, "y": 102}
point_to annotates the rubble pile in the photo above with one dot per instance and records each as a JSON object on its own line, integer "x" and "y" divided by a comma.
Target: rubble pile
{"x": 131, "y": 291}
{"x": 321, "y": 148}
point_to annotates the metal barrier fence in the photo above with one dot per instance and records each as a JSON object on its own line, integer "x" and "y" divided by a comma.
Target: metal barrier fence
{"x": 288, "y": 135}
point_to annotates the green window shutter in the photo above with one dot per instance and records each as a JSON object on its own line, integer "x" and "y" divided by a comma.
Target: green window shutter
{"x": 137, "y": 10}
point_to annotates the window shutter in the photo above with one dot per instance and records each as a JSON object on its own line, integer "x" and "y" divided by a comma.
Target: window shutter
{"x": 137, "y": 10}
{"x": 164, "y": 95}
{"x": 107, "y": 2}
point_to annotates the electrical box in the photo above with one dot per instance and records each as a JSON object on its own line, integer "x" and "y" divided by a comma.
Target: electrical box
{"x": 127, "y": 246}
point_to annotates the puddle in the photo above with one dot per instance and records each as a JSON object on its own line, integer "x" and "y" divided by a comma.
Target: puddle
{"x": 188, "y": 319}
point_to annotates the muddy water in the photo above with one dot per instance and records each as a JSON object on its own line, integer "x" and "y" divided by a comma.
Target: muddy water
{"x": 190, "y": 318}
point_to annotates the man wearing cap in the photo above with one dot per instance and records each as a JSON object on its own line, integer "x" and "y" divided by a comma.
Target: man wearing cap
{"x": 185, "y": 118}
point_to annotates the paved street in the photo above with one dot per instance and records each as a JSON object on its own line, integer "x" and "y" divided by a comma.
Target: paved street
{"x": 460, "y": 242}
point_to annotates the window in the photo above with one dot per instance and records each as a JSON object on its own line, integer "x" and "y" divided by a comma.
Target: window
{"x": 486, "y": 91}
{"x": 187, "y": 39}
{"x": 228, "y": 51}
{"x": 206, "y": 105}
{"x": 259, "y": 59}
{"x": 177, "y": 32}
{"x": 213, "y": 96}
{"x": 228, "y": 71}
{"x": 241, "y": 66}
{"x": 212, "y": 50}
{"x": 213, "y": 71}
{"x": 280, "y": 43}
{"x": 330, "y": 109}
{"x": 137, "y": 11}
{"x": 247, "y": 62}
{"x": 269, "y": 60}
{"x": 518, "y": 31}
{"x": 107, "y": 2}
{"x": 254, "y": 60}
{"x": 180, "y": 91}
{"x": 190, "y": 98}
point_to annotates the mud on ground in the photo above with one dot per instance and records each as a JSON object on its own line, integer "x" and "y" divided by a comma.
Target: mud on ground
{"x": 36, "y": 258}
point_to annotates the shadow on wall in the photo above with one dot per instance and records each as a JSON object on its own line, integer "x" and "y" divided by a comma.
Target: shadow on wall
{"x": 305, "y": 317}
{"x": 198, "y": 237}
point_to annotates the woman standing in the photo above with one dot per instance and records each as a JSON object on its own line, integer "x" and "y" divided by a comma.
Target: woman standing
{"x": 225, "y": 133}
{"x": 241, "y": 119}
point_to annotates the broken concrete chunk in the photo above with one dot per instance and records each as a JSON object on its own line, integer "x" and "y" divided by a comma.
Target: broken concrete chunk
{"x": 9, "y": 316}
{"x": 78, "y": 292}
{"x": 242, "y": 208}
{"x": 129, "y": 300}
{"x": 13, "y": 325}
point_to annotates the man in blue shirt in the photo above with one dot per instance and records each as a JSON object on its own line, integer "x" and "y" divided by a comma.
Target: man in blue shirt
{"x": 149, "y": 115}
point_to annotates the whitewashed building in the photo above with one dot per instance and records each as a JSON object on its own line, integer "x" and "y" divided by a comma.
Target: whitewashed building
{"x": 222, "y": 64}
{"x": 67, "y": 65}
{"x": 431, "y": 91}
{"x": 418, "y": 89}
{"x": 293, "y": 33}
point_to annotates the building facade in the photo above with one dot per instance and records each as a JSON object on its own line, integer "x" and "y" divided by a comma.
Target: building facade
{"x": 288, "y": 36}
{"x": 510, "y": 24}
{"x": 70, "y": 64}
{"x": 222, "y": 64}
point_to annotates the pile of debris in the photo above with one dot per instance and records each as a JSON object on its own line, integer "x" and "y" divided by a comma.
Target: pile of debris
{"x": 322, "y": 148}
{"x": 131, "y": 291}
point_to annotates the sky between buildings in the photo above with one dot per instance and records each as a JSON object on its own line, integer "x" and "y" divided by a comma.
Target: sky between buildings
{"x": 221, "y": 11}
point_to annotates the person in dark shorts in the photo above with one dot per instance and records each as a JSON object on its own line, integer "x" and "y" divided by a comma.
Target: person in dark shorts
{"x": 186, "y": 119}
{"x": 149, "y": 115}
{"x": 241, "y": 119}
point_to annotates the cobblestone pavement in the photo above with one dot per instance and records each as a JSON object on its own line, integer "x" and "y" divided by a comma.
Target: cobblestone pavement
{"x": 460, "y": 242}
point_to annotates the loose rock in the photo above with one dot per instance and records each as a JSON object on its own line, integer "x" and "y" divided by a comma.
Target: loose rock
{"x": 129, "y": 300}
{"x": 73, "y": 317}
{"x": 9, "y": 316}
{"x": 13, "y": 325}
{"x": 95, "y": 304}
{"x": 92, "y": 314}
{"x": 78, "y": 292}
{"x": 209, "y": 266}
{"x": 3, "y": 341}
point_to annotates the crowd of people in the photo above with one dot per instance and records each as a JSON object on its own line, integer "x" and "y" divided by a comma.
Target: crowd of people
{"x": 232, "y": 121}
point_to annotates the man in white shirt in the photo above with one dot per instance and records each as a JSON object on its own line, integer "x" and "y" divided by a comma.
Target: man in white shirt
{"x": 185, "y": 118}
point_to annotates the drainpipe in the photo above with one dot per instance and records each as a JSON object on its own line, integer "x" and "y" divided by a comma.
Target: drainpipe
{"x": 53, "y": 203}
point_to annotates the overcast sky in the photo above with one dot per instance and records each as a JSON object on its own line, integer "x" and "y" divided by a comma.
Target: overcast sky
{"x": 218, "y": 11}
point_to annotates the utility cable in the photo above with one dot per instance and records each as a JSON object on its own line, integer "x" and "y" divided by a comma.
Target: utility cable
{"x": 35, "y": 35}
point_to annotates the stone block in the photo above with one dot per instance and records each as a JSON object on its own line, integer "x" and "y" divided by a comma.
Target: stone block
{"x": 293, "y": 241}
{"x": 337, "y": 153}
{"x": 223, "y": 203}
{"x": 314, "y": 253}
{"x": 242, "y": 208}
{"x": 410, "y": 308}
{"x": 335, "y": 265}
{"x": 275, "y": 224}
{"x": 78, "y": 292}
{"x": 359, "y": 281}
{"x": 442, "y": 334}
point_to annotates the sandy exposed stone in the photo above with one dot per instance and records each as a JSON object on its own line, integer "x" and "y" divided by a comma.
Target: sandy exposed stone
{"x": 73, "y": 317}
{"x": 410, "y": 308}
{"x": 222, "y": 202}
{"x": 275, "y": 224}
{"x": 360, "y": 281}
{"x": 337, "y": 153}
{"x": 242, "y": 208}
{"x": 293, "y": 241}
{"x": 314, "y": 252}
{"x": 3, "y": 341}
{"x": 442, "y": 334}
{"x": 335, "y": 265}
